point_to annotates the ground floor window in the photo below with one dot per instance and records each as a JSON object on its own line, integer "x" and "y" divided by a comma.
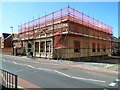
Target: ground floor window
{"x": 93, "y": 50}
{"x": 98, "y": 47}
{"x": 29, "y": 47}
{"x": 42, "y": 46}
{"x": 36, "y": 46}
{"x": 104, "y": 50}
{"x": 93, "y": 47}
{"x": 98, "y": 50}
{"x": 48, "y": 46}
{"x": 104, "y": 47}
{"x": 76, "y": 46}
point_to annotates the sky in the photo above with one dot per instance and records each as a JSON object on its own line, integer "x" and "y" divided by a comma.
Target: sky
{"x": 17, "y": 13}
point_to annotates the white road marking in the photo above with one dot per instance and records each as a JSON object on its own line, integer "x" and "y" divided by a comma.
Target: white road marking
{"x": 15, "y": 62}
{"x": 18, "y": 63}
{"x": 117, "y": 80}
{"x": 78, "y": 77}
{"x": 112, "y": 84}
{"x": 30, "y": 66}
{"x": 40, "y": 68}
{"x": 57, "y": 72}
{"x": 88, "y": 79}
{"x": 44, "y": 69}
{"x": 62, "y": 73}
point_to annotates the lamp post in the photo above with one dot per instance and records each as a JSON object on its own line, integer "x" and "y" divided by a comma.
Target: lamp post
{"x": 12, "y": 39}
{"x": 12, "y": 33}
{"x": 12, "y": 29}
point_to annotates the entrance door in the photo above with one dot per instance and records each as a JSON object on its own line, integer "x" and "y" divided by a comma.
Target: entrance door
{"x": 29, "y": 47}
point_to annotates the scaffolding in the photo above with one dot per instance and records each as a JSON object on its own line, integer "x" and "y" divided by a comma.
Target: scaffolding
{"x": 59, "y": 26}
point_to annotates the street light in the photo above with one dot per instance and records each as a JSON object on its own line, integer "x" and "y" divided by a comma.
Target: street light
{"x": 12, "y": 39}
{"x": 12, "y": 31}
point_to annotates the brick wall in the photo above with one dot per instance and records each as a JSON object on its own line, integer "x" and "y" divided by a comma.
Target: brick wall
{"x": 8, "y": 42}
{"x": 77, "y": 28}
{"x": 6, "y": 50}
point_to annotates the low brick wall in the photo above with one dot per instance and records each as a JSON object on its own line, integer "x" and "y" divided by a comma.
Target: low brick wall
{"x": 6, "y": 50}
{"x": 19, "y": 51}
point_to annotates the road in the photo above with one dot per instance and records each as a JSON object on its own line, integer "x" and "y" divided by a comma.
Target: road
{"x": 50, "y": 75}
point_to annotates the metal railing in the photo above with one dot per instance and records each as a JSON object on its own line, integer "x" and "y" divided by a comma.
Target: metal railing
{"x": 9, "y": 80}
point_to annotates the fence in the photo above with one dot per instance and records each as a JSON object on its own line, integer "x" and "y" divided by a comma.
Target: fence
{"x": 9, "y": 80}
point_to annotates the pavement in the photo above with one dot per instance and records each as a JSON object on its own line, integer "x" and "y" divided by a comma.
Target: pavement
{"x": 107, "y": 65}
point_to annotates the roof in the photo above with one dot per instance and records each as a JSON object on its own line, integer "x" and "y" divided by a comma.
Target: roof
{"x": 115, "y": 39}
{"x": 5, "y": 35}
{"x": 15, "y": 38}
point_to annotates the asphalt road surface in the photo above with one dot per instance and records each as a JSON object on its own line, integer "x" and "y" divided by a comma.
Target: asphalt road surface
{"x": 47, "y": 75}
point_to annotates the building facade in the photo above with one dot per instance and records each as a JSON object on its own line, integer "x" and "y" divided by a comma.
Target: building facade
{"x": 66, "y": 33}
{"x": 6, "y": 43}
{"x": 118, "y": 52}
{"x": 115, "y": 45}
{"x": 6, "y": 40}
{"x": 0, "y": 42}
{"x": 119, "y": 42}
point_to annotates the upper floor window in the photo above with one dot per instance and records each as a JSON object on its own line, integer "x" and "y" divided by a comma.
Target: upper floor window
{"x": 76, "y": 46}
{"x": 93, "y": 47}
{"x": 98, "y": 47}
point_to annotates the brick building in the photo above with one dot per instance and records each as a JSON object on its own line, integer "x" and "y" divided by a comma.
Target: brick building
{"x": 6, "y": 43}
{"x": 66, "y": 34}
{"x": 115, "y": 45}
{"x": 6, "y": 40}
{"x": 119, "y": 42}
{"x": 0, "y": 42}
{"x": 118, "y": 52}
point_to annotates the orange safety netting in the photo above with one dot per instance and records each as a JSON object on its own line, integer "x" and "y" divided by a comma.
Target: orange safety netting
{"x": 61, "y": 15}
{"x": 59, "y": 42}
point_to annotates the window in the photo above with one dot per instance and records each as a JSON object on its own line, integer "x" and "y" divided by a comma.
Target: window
{"x": 36, "y": 46}
{"x": 77, "y": 50}
{"x": 29, "y": 47}
{"x": 93, "y": 50}
{"x": 104, "y": 50}
{"x": 104, "y": 47}
{"x": 76, "y": 46}
{"x": 93, "y": 47}
{"x": 98, "y": 47}
{"x": 98, "y": 50}
{"x": 48, "y": 46}
{"x": 42, "y": 46}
